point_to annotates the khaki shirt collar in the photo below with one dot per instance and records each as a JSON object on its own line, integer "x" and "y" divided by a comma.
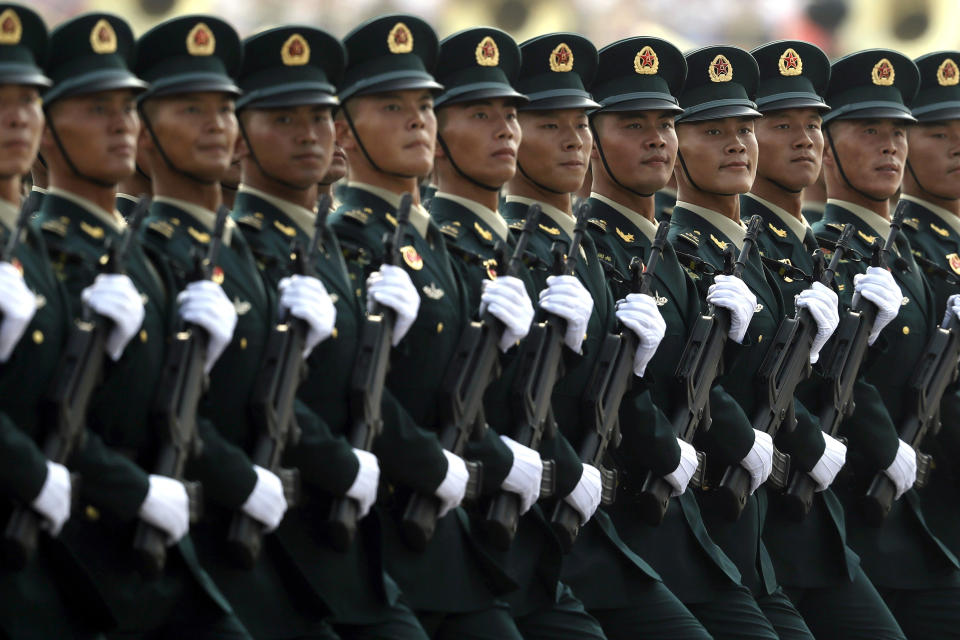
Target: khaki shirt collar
{"x": 419, "y": 217}
{"x": 949, "y": 218}
{"x": 127, "y": 196}
{"x": 202, "y": 215}
{"x": 646, "y": 227}
{"x": 489, "y": 217}
{"x": 870, "y": 218}
{"x": 303, "y": 218}
{"x": 798, "y": 227}
{"x": 9, "y": 213}
{"x": 735, "y": 231}
{"x": 39, "y": 189}
{"x": 112, "y": 219}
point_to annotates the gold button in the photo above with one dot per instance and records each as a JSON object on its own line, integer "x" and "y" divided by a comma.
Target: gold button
{"x": 335, "y": 333}
{"x": 243, "y": 343}
{"x": 38, "y": 336}
{"x": 91, "y": 512}
{"x": 143, "y": 335}
{"x": 906, "y": 331}
{"x": 439, "y": 327}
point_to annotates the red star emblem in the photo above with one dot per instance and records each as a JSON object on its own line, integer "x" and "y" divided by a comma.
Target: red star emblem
{"x": 721, "y": 68}
{"x": 103, "y": 35}
{"x": 884, "y": 70}
{"x": 487, "y": 51}
{"x": 296, "y": 48}
{"x": 646, "y": 58}
{"x": 201, "y": 38}
{"x": 8, "y": 25}
{"x": 949, "y": 71}
{"x": 562, "y": 57}
{"x": 400, "y": 37}
{"x": 790, "y": 61}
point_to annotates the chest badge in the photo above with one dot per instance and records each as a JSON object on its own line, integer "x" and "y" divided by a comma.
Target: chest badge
{"x": 490, "y": 266}
{"x": 17, "y": 265}
{"x": 626, "y": 237}
{"x": 954, "y": 261}
{"x": 411, "y": 257}
{"x": 242, "y": 306}
{"x": 218, "y": 276}
{"x": 432, "y": 291}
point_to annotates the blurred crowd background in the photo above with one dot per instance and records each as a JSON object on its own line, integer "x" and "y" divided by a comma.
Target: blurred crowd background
{"x": 838, "y": 26}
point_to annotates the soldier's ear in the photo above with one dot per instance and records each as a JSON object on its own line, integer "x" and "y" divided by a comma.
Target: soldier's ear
{"x": 828, "y": 156}
{"x": 344, "y": 135}
{"x": 145, "y": 140}
{"x": 240, "y": 150}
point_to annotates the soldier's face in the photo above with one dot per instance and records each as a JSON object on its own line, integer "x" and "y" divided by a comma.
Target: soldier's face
{"x": 872, "y": 154}
{"x": 99, "y": 132}
{"x": 483, "y": 138}
{"x": 556, "y": 145}
{"x": 21, "y": 123}
{"x": 294, "y": 143}
{"x": 198, "y": 132}
{"x": 398, "y": 130}
{"x": 935, "y": 157}
{"x": 338, "y": 166}
{"x": 791, "y": 147}
{"x": 640, "y": 148}
{"x": 721, "y": 155}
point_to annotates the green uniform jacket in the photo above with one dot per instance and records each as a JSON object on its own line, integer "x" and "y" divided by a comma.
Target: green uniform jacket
{"x": 812, "y": 553}
{"x": 534, "y": 559}
{"x": 603, "y": 570}
{"x": 902, "y": 553}
{"x": 934, "y": 240}
{"x": 454, "y": 573}
{"x": 730, "y": 437}
{"x": 121, "y": 445}
{"x": 680, "y": 549}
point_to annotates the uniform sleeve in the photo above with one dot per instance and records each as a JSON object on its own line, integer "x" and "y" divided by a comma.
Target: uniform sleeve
{"x": 649, "y": 441}
{"x": 223, "y": 468}
{"x": 23, "y": 467}
{"x": 567, "y": 466}
{"x": 326, "y": 462}
{"x": 805, "y": 443}
{"x": 730, "y": 436}
{"x": 409, "y": 455}
{"x": 496, "y": 458}
{"x": 108, "y": 480}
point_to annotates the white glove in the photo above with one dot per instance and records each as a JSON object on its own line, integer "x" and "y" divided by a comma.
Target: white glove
{"x": 53, "y": 501}
{"x": 878, "y": 286}
{"x": 113, "y": 295}
{"x": 679, "y": 478}
{"x": 565, "y": 296}
{"x": 204, "y": 304}
{"x": 306, "y": 298}
{"x": 391, "y": 286}
{"x": 454, "y": 485}
{"x": 506, "y": 298}
{"x": 732, "y": 293}
{"x": 167, "y": 507}
{"x": 759, "y": 461}
{"x": 953, "y": 306}
{"x": 821, "y": 301}
{"x": 17, "y": 306}
{"x": 585, "y": 497}
{"x": 266, "y": 503}
{"x": 829, "y": 465}
{"x": 639, "y": 313}
{"x": 903, "y": 469}
{"x": 525, "y": 474}
{"x": 364, "y": 487}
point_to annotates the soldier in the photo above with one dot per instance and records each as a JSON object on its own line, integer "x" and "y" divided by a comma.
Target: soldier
{"x": 286, "y": 120}
{"x": 335, "y": 174}
{"x": 820, "y": 573}
{"x": 387, "y": 127}
{"x": 616, "y": 585}
{"x": 870, "y": 93}
{"x": 40, "y": 180}
{"x": 478, "y": 136}
{"x": 90, "y": 144}
{"x": 932, "y": 193}
{"x": 717, "y": 161}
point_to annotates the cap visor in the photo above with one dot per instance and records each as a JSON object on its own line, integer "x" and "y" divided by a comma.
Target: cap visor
{"x": 560, "y": 102}
{"x": 641, "y": 104}
{"x": 938, "y": 112}
{"x": 472, "y": 93}
{"x": 292, "y": 99}
{"x": 87, "y": 83}
{"x": 792, "y": 103}
{"x": 391, "y": 82}
{"x": 192, "y": 83}
{"x": 718, "y": 112}
{"x": 22, "y": 74}
{"x": 892, "y": 111}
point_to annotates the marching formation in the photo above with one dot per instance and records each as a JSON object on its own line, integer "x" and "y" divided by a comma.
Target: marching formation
{"x": 404, "y": 338}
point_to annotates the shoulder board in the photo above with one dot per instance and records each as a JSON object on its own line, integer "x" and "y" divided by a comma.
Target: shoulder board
{"x": 691, "y": 238}
{"x": 451, "y": 230}
{"x": 254, "y": 221}
{"x": 162, "y": 227}
{"x": 518, "y": 225}
{"x": 836, "y": 226}
{"x": 913, "y": 223}
{"x": 599, "y": 223}
{"x": 357, "y": 215}
{"x": 59, "y": 227}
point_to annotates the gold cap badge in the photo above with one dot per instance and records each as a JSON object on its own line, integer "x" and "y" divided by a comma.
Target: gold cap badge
{"x": 400, "y": 40}
{"x": 882, "y": 73}
{"x": 295, "y": 51}
{"x": 103, "y": 39}
{"x": 790, "y": 63}
{"x": 11, "y": 29}
{"x": 947, "y": 73}
{"x": 561, "y": 58}
{"x": 646, "y": 61}
{"x": 720, "y": 69}
{"x": 200, "y": 41}
{"x": 487, "y": 53}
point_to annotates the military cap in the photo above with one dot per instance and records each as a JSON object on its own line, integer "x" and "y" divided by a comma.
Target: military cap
{"x": 23, "y": 46}
{"x": 556, "y": 70}
{"x": 290, "y": 66}
{"x": 793, "y": 74}
{"x": 476, "y": 64}
{"x": 721, "y": 83}
{"x": 637, "y": 74}
{"x": 875, "y": 83}
{"x": 90, "y": 53}
{"x": 939, "y": 95}
{"x": 189, "y": 54}
{"x": 390, "y": 53}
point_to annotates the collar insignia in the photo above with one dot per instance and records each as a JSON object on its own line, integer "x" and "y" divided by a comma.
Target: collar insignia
{"x": 200, "y": 41}
{"x": 487, "y": 53}
{"x": 790, "y": 63}
{"x": 720, "y": 69}
{"x": 780, "y": 233}
{"x": 96, "y": 233}
{"x": 11, "y": 29}
{"x": 295, "y": 51}
{"x": 883, "y": 73}
{"x": 717, "y": 241}
{"x": 285, "y": 229}
{"x": 866, "y": 238}
{"x": 483, "y": 233}
{"x": 561, "y": 58}
{"x": 940, "y": 231}
{"x": 646, "y": 62}
{"x": 626, "y": 237}
{"x": 551, "y": 230}
{"x": 200, "y": 236}
{"x": 400, "y": 40}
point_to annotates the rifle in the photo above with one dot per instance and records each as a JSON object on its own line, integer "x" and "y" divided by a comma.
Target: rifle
{"x": 785, "y": 365}
{"x": 610, "y": 381}
{"x": 366, "y": 387}
{"x": 841, "y": 367}
{"x": 182, "y": 384}
{"x": 540, "y": 366}
{"x": 65, "y": 405}
{"x": 271, "y": 406}
{"x": 474, "y": 365}
{"x": 700, "y": 363}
